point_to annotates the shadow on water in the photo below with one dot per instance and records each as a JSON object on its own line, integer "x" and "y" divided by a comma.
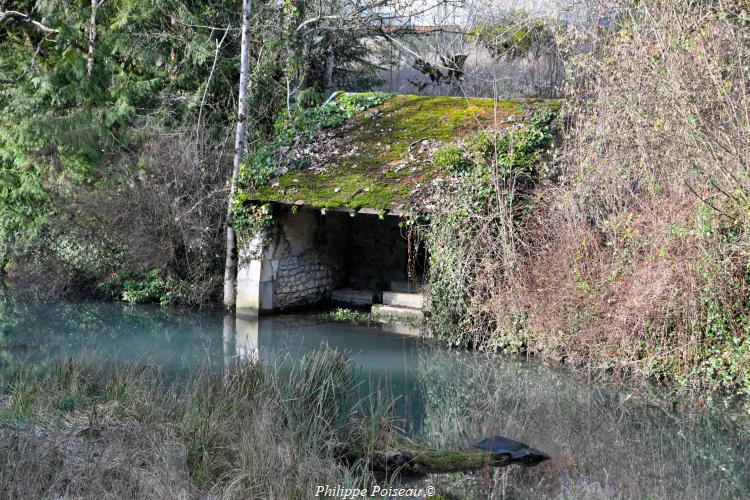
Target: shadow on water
{"x": 604, "y": 443}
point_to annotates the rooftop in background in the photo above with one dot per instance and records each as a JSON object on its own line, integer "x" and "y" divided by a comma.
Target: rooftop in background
{"x": 382, "y": 158}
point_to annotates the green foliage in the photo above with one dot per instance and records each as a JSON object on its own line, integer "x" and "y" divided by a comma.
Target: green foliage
{"x": 453, "y": 159}
{"x": 354, "y": 103}
{"x": 299, "y": 128}
{"x": 345, "y": 315}
{"x": 268, "y": 158}
{"x": 517, "y": 36}
{"x": 252, "y": 219}
{"x": 64, "y": 131}
{"x": 380, "y": 141}
{"x": 310, "y": 98}
{"x": 155, "y": 286}
{"x": 509, "y": 162}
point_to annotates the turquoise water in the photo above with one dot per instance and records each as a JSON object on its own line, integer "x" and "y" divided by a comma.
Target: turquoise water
{"x": 604, "y": 442}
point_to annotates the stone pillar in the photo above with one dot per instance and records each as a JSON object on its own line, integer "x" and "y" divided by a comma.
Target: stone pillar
{"x": 255, "y": 276}
{"x": 248, "y": 276}
{"x": 298, "y": 266}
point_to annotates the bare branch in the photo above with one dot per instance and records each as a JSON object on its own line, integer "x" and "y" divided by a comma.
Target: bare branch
{"x": 20, "y": 17}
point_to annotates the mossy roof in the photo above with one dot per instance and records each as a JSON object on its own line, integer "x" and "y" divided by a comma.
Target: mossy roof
{"x": 382, "y": 158}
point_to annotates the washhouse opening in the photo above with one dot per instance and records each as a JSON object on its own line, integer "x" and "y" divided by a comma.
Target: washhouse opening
{"x": 343, "y": 258}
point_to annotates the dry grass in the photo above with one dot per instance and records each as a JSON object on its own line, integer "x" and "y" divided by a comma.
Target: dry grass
{"x": 604, "y": 442}
{"x": 631, "y": 254}
{"x": 85, "y": 431}
{"x": 638, "y": 261}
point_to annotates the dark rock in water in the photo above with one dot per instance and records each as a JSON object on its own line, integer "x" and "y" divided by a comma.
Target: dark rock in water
{"x": 516, "y": 451}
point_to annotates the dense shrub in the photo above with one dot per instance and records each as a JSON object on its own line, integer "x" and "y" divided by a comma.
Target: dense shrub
{"x": 473, "y": 234}
{"x": 452, "y": 158}
{"x": 633, "y": 256}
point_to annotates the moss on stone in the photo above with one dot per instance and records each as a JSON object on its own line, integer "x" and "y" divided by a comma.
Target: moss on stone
{"x": 382, "y": 162}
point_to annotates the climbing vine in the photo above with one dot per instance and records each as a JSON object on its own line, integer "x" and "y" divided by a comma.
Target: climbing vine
{"x": 473, "y": 234}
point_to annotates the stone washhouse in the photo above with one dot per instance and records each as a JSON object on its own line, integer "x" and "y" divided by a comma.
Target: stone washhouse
{"x": 340, "y": 237}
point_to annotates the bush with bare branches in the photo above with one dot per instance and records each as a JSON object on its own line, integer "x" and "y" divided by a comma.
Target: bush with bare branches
{"x": 635, "y": 259}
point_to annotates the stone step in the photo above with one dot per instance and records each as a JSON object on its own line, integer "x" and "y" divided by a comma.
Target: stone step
{"x": 412, "y": 300}
{"x": 351, "y": 297}
{"x": 403, "y": 287}
{"x": 395, "y": 313}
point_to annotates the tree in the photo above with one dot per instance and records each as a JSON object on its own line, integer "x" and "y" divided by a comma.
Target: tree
{"x": 92, "y": 36}
{"x": 230, "y": 266}
{"x": 82, "y": 188}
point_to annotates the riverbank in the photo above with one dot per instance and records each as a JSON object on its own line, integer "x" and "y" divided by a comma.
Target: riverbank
{"x": 604, "y": 442}
{"x": 95, "y": 431}
{"x": 91, "y": 430}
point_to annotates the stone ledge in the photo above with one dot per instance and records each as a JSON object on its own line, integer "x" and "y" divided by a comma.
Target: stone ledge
{"x": 352, "y": 297}
{"x": 397, "y": 313}
{"x": 411, "y": 300}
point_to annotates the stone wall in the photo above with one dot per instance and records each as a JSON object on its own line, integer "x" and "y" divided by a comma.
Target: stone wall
{"x": 376, "y": 254}
{"x": 300, "y": 266}
{"x": 313, "y": 254}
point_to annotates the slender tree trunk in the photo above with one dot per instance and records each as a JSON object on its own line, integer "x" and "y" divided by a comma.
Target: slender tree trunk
{"x": 230, "y": 266}
{"x": 92, "y": 36}
{"x": 330, "y": 63}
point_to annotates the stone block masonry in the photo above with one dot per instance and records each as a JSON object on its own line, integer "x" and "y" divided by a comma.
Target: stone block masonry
{"x": 305, "y": 279}
{"x": 300, "y": 266}
{"x": 312, "y": 254}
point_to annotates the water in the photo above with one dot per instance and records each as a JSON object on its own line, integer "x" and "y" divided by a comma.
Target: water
{"x": 604, "y": 443}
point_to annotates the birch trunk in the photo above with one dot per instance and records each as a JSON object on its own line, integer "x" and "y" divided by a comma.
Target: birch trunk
{"x": 92, "y": 37}
{"x": 230, "y": 266}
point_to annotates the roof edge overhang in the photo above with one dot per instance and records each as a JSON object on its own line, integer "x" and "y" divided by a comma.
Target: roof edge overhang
{"x": 401, "y": 212}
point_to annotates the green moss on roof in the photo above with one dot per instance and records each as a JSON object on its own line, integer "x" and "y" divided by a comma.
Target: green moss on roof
{"x": 381, "y": 158}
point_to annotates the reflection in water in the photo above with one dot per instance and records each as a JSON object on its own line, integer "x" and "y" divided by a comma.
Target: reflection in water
{"x": 385, "y": 363}
{"x": 246, "y": 341}
{"x": 604, "y": 443}
{"x": 228, "y": 333}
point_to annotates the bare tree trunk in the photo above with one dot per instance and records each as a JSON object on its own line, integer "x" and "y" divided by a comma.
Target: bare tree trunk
{"x": 330, "y": 63}
{"x": 230, "y": 266}
{"x": 92, "y": 36}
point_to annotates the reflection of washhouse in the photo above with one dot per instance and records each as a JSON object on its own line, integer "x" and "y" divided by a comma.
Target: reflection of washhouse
{"x": 247, "y": 340}
{"x": 241, "y": 338}
{"x": 384, "y": 364}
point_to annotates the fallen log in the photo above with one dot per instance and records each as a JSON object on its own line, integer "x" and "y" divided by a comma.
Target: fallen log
{"x": 408, "y": 458}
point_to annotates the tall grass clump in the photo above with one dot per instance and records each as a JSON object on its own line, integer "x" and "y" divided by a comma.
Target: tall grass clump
{"x": 631, "y": 254}
{"x": 83, "y": 431}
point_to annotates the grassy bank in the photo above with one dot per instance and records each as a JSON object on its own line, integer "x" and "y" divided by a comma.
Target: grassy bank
{"x": 112, "y": 431}
{"x": 126, "y": 432}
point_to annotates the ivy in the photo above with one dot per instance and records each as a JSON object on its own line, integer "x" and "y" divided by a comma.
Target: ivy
{"x": 493, "y": 172}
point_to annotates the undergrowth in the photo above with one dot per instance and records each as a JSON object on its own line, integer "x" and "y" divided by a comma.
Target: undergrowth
{"x": 630, "y": 255}
{"x": 126, "y": 430}
{"x": 346, "y": 315}
{"x": 477, "y": 224}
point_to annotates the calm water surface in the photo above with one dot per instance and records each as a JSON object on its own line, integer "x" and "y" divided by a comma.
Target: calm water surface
{"x": 604, "y": 443}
